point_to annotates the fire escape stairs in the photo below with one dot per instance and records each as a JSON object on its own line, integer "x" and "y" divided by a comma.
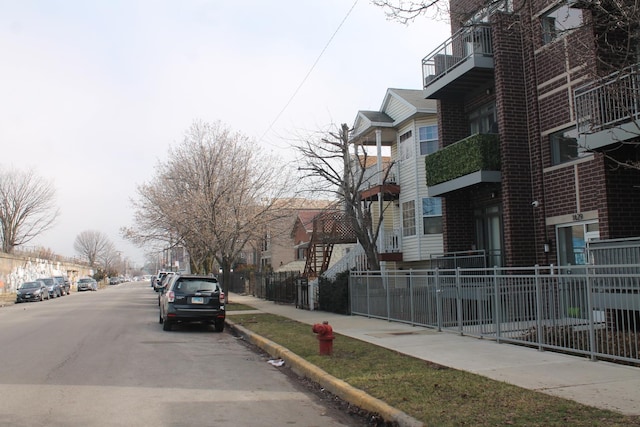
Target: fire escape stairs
{"x": 329, "y": 228}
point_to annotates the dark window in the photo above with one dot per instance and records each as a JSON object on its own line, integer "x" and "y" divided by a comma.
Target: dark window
{"x": 484, "y": 120}
{"x": 564, "y": 146}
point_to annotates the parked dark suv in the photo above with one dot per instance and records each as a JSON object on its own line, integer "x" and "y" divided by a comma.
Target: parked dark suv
{"x": 65, "y": 286}
{"x": 191, "y": 298}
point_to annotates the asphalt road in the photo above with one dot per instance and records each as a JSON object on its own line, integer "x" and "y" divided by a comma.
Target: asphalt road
{"x": 102, "y": 359}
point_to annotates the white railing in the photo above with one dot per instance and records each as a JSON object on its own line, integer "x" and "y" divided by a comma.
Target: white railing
{"x": 465, "y": 43}
{"x": 392, "y": 241}
{"x": 608, "y": 102}
{"x": 372, "y": 177}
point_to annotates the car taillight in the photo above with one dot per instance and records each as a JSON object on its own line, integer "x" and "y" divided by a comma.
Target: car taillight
{"x": 171, "y": 296}
{"x": 221, "y": 297}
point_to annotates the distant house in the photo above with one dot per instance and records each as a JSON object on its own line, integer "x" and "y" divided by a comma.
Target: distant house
{"x": 301, "y": 235}
{"x": 277, "y": 248}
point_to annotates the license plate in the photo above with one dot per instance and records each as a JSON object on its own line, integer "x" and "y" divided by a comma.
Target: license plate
{"x": 197, "y": 300}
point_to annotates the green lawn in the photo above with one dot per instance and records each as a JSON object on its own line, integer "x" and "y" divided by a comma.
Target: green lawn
{"x": 434, "y": 394}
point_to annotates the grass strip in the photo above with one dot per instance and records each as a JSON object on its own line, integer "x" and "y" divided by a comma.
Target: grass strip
{"x": 431, "y": 393}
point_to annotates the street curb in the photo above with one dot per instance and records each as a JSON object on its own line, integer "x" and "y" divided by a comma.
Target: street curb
{"x": 334, "y": 385}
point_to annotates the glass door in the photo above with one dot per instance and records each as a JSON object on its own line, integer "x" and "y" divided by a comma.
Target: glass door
{"x": 489, "y": 234}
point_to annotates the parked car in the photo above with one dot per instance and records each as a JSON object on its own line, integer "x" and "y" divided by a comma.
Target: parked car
{"x": 32, "y": 291}
{"x": 53, "y": 286}
{"x": 162, "y": 282}
{"x": 114, "y": 281}
{"x": 158, "y": 283}
{"x": 87, "y": 284}
{"x": 65, "y": 285}
{"x": 192, "y": 298}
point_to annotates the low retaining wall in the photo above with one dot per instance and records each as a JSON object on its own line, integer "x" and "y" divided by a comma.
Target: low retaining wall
{"x": 16, "y": 269}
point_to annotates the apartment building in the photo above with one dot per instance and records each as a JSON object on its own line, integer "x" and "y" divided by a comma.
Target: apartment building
{"x": 401, "y": 134}
{"x": 537, "y": 115}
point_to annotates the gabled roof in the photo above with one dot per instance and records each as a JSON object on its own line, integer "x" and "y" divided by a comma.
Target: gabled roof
{"x": 306, "y": 217}
{"x": 398, "y": 106}
{"x": 412, "y": 98}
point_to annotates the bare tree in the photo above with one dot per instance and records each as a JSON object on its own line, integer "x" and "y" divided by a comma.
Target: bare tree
{"x": 109, "y": 258}
{"x": 334, "y": 163}
{"x": 214, "y": 194}
{"x": 90, "y": 244}
{"x": 407, "y": 11}
{"x": 27, "y": 207}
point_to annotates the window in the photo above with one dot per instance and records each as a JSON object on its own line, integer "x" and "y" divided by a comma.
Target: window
{"x": 409, "y": 218}
{"x": 484, "y": 13}
{"x": 564, "y": 146}
{"x": 484, "y": 119}
{"x": 406, "y": 136}
{"x": 432, "y": 215}
{"x": 406, "y": 145}
{"x": 428, "y": 139}
{"x": 558, "y": 21}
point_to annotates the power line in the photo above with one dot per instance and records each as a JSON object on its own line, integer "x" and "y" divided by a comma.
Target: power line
{"x": 310, "y": 70}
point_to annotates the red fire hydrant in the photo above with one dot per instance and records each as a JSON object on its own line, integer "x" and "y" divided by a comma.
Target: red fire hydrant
{"x": 325, "y": 337}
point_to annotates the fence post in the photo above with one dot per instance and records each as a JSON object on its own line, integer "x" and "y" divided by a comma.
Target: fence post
{"x": 459, "y": 300}
{"x": 592, "y": 330}
{"x": 367, "y": 294}
{"x": 538, "y": 307}
{"x": 350, "y": 287}
{"x": 388, "y": 285}
{"x": 496, "y": 303}
{"x": 413, "y": 320}
{"x": 438, "y": 288}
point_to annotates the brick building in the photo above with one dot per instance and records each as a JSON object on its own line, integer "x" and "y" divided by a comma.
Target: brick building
{"x": 537, "y": 107}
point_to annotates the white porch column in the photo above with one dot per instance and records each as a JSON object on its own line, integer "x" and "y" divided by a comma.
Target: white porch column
{"x": 381, "y": 236}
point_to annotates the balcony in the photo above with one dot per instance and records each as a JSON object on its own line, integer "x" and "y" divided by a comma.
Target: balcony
{"x": 607, "y": 110}
{"x": 391, "y": 246}
{"x": 471, "y": 161}
{"x": 390, "y": 188}
{"x": 460, "y": 64}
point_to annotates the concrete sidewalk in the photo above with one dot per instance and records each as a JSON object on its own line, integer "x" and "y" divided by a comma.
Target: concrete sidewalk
{"x": 599, "y": 384}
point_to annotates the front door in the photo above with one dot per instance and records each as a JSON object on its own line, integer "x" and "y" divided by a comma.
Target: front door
{"x": 572, "y": 242}
{"x": 488, "y": 221}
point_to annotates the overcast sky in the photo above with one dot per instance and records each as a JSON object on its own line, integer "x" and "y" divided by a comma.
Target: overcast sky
{"x": 94, "y": 92}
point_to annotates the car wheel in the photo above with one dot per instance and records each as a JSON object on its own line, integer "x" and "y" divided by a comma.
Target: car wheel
{"x": 166, "y": 326}
{"x": 219, "y": 325}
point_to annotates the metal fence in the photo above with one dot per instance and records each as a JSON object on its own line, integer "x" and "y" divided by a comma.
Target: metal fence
{"x": 588, "y": 310}
{"x": 281, "y": 287}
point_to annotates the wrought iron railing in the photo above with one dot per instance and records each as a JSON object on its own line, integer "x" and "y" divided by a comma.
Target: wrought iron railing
{"x": 592, "y": 311}
{"x": 608, "y": 102}
{"x": 465, "y": 43}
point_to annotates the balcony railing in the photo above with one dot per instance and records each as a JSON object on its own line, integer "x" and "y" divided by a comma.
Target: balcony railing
{"x": 609, "y": 102}
{"x": 479, "y": 152}
{"x": 466, "y": 43}
{"x": 392, "y": 240}
{"x": 372, "y": 177}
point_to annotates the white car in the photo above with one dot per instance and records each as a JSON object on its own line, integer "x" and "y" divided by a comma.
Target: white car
{"x": 87, "y": 284}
